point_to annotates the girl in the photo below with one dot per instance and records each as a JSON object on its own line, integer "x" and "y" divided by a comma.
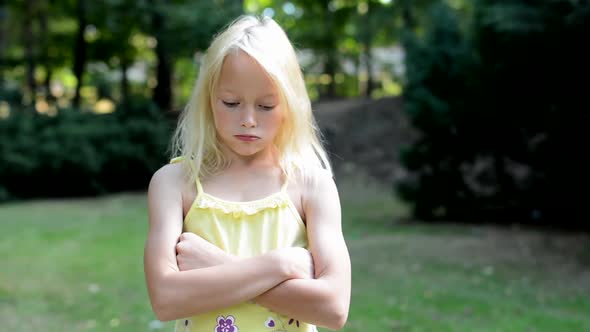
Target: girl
{"x": 245, "y": 226}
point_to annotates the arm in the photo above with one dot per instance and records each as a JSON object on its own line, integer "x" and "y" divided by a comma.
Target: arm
{"x": 322, "y": 301}
{"x": 325, "y": 300}
{"x": 174, "y": 293}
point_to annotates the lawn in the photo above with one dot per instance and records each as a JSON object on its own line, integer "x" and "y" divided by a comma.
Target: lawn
{"x": 77, "y": 265}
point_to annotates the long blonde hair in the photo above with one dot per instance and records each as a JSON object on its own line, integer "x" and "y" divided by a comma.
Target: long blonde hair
{"x": 298, "y": 142}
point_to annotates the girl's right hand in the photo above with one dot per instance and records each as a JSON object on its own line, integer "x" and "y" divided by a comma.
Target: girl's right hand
{"x": 194, "y": 252}
{"x": 298, "y": 262}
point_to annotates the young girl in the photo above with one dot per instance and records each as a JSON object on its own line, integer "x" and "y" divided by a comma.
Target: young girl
{"x": 245, "y": 225}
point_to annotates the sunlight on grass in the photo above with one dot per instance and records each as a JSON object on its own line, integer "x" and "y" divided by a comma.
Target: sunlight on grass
{"x": 78, "y": 264}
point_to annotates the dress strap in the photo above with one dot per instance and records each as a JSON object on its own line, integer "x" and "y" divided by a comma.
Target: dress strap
{"x": 286, "y": 183}
{"x": 197, "y": 181}
{"x": 176, "y": 159}
{"x": 199, "y": 187}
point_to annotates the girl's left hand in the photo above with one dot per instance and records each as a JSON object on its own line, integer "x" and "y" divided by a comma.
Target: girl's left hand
{"x": 194, "y": 252}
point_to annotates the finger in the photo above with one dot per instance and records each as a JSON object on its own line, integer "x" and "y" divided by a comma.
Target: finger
{"x": 189, "y": 235}
{"x": 179, "y": 247}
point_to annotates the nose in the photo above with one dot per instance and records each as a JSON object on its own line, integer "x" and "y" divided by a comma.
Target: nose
{"x": 248, "y": 118}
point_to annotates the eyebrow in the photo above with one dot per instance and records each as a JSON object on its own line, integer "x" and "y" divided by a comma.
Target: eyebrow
{"x": 265, "y": 96}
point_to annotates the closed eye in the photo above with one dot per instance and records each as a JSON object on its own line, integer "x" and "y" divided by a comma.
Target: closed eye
{"x": 266, "y": 107}
{"x": 230, "y": 104}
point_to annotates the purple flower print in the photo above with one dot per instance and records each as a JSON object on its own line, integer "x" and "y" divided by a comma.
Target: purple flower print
{"x": 275, "y": 324}
{"x": 270, "y": 322}
{"x": 226, "y": 324}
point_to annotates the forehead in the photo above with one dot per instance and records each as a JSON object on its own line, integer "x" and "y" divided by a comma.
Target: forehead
{"x": 242, "y": 74}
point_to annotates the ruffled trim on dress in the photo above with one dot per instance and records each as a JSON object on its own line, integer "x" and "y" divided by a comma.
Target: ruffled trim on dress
{"x": 239, "y": 209}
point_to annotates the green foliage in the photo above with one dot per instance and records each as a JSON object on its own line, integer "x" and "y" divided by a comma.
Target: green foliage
{"x": 10, "y": 95}
{"x": 437, "y": 69}
{"x": 500, "y": 112}
{"x": 81, "y": 153}
{"x": 149, "y": 36}
{"x": 189, "y": 26}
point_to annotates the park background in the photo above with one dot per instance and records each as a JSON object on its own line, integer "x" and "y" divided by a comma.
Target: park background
{"x": 458, "y": 131}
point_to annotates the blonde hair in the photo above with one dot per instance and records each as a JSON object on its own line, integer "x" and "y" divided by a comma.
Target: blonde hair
{"x": 299, "y": 140}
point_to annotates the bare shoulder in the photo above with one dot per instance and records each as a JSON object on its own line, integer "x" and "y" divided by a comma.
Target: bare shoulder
{"x": 318, "y": 181}
{"x": 320, "y": 194}
{"x": 167, "y": 176}
{"x": 165, "y": 190}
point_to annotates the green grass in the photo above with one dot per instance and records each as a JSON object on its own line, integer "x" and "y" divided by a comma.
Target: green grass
{"x": 70, "y": 265}
{"x": 76, "y": 265}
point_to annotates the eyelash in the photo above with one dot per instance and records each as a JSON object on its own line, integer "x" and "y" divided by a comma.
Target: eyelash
{"x": 232, "y": 105}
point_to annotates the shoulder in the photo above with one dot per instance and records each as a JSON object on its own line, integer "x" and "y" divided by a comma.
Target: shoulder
{"x": 318, "y": 187}
{"x": 167, "y": 173}
{"x": 167, "y": 178}
{"x": 316, "y": 178}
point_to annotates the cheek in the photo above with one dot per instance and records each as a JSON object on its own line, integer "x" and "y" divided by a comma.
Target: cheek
{"x": 276, "y": 119}
{"x": 274, "y": 125}
{"x": 222, "y": 119}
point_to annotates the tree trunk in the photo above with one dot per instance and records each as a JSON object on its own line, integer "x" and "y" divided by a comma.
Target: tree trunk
{"x": 2, "y": 41}
{"x": 357, "y": 72}
{"x": 44, "y": 35}
{"x": 79, "y": 50}
{"x": 367, "y": 42}
{"x": 29, "y": 52}
{"x": 330, "y": 63}
{"x": 47, "y": 84}
{"x": 124, "y": 83}
{"x": 370, "y": 86}
{"x": 330, "y": 70}
{"x": 162, "y": 91}
{"x": 408, "y": 17}
{"x": 162, "y": 95}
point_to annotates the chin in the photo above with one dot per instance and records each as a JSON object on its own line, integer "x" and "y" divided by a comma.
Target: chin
{"x": 246, "y": 152}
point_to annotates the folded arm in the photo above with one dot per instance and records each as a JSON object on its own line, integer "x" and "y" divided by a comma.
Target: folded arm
{"x": 323, "y": 300}
{"x": 176, "y": 294}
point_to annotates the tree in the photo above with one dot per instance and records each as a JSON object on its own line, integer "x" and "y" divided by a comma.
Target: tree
{"x": 500, "y": 113}
{"x": 437, "y": 82}
{"x": 316, "y": 25}
{"x": 2, "y": 40}
{"x": 173, "y": 24}
{"x": 80, "y": 48}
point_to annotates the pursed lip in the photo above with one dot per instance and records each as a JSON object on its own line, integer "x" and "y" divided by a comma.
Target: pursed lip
{"x": 247, "y": 138}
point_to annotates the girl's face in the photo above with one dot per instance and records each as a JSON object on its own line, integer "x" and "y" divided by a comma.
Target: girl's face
{"x": 247, "y": 108}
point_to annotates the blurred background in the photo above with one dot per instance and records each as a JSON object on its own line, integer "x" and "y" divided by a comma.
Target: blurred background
{"x": 458, "y": 131}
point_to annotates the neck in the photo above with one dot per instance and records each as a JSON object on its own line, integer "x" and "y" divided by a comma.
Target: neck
{"x": 267, "y": 157}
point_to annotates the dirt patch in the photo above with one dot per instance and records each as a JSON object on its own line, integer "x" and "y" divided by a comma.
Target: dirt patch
{"x": 365, "y": 134}
{"x": 558, "y": 260}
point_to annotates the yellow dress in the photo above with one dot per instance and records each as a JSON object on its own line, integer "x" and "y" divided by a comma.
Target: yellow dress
{"x": 245, "y": 229}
